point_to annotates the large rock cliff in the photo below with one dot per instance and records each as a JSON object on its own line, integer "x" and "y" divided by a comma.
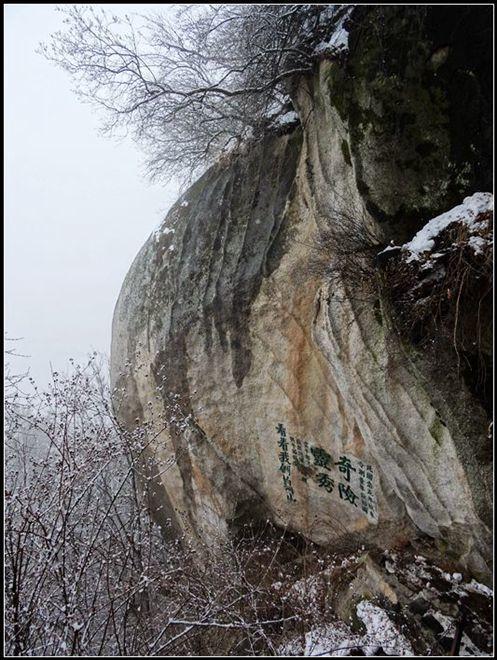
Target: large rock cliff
{"x": 264, "y": 379}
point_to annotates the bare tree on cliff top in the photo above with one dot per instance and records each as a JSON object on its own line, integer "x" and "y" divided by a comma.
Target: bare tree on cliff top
{"x": 191, "y": 88}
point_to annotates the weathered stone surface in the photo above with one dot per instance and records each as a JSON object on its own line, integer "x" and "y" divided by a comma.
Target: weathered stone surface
{"x": 257, "y": 377}
{"x": 416, "y": 93}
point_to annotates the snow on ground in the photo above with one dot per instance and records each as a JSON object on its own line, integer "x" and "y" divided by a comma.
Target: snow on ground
{"x": 477, "y": 243}
{"x": 449, "y": 629}
{"x": 334, "y": 639}
{"x": 470, "y": 649}
{"x": 465, "y": 213}
{"x": 381, "y": 632}
{"x": 307, "y": 587}
{"x": 337, "y": 639}
{"x": 432, "y": 586}
{"x": 455, "y": 578}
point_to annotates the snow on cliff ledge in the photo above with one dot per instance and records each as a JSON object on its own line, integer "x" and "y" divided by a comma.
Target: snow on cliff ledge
{"x": 338, "y": 41}
{"x": 467, "y": 213}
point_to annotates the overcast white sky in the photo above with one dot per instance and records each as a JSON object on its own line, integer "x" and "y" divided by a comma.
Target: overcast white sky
{"x": 77, "y": 207}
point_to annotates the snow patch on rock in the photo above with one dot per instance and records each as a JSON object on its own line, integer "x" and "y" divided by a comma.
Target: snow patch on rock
{"x": 288, "y": 119}
{"x": 479, "y": 588}
{"x": 339, "y": 39}
{"x": 466, "y": 213}
{"x": 381, "y": 632}
{"x": 162, "y": 229}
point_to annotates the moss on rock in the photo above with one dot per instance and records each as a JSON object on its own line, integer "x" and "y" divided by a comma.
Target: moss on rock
{"x": 417, "y": 109}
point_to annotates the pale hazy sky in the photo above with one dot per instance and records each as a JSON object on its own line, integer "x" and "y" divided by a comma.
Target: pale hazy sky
{"x": 77, "y": 207}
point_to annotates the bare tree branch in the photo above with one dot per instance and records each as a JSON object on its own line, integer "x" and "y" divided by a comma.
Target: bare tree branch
{"x": 208, "y": 78}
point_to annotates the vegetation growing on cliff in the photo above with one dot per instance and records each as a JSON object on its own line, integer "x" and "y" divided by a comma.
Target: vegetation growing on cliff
{"x": 194, "y": 85}
{"x": 440, "y": 288}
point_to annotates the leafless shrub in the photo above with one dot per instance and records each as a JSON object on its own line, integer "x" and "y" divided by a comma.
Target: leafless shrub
{"x": 89, "y": 573}
{"x": 344, "y": 250}
{"x": 79, "y": 549}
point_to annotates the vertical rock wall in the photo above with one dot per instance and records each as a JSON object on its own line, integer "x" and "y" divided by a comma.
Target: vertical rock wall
{"x": 267, "y": 388}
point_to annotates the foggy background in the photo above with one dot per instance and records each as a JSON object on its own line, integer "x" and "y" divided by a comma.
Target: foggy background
{"x": 77, "y": 207}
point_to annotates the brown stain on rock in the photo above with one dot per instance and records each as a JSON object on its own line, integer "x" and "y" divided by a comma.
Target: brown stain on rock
{"x": 356, "y": 445}
{"x": 301, "y": 355}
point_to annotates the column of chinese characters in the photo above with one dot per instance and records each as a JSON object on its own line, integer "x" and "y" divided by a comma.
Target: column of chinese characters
{"x": 294, "y": 450}
{"x": 301, "y": 460}
{"x": 368, "y": 503}
{"x": 323, "y": 461}
{"x": 299, "y": 456}
{"x": 345, "y": 466}
{"x": 362, "y": 476}
{"x": 369, "y": 487}
{"x": 307, "y": 455}
{"x": 284, "y": 467}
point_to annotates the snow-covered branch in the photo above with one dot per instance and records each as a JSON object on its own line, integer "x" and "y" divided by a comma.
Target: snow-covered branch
{"x": 191, "y": 87}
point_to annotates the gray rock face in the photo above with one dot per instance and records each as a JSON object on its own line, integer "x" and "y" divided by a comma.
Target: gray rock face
{"x": 267, "y": 389}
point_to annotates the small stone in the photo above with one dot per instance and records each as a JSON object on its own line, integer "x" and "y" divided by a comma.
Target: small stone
{"x": 430, "y": 622}
{"x": 419, "y": 605}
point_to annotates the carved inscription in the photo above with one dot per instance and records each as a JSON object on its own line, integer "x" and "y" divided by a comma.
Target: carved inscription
{"x": 348, "y": 479}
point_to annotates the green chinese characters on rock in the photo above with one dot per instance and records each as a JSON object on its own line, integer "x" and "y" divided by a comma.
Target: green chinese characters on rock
{"x": 321, "y": 458}
{"x": 324, "y": 481}
{"x": 285, "y": 465}
{"x": 345, "y": 466}
{"x": 348, "y": 480}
